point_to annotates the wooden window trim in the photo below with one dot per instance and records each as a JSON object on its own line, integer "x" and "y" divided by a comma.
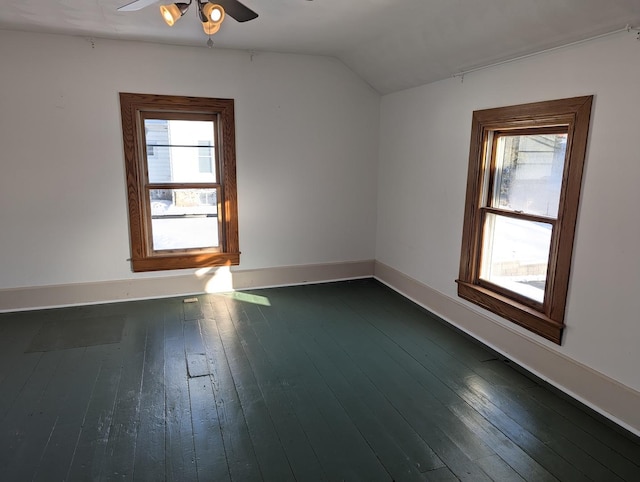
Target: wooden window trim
{"x": 574, "y": 113}
{"x": 133, "y": 108}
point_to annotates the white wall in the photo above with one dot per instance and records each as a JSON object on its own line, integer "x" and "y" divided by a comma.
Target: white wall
{"x": 424, "y": 153}
{"x": 306, "y": 135}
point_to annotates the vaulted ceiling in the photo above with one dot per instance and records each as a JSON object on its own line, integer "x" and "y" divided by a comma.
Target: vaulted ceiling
{"x": 391, "y": 44}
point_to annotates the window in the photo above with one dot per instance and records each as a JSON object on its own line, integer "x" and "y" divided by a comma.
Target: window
{"x": 523, "y": 188}
{"x": 181, "y": 181}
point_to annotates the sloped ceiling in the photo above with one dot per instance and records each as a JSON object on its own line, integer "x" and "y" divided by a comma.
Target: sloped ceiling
{"x": 391, "y": 44}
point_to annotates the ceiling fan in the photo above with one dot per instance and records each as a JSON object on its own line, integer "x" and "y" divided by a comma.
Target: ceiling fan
{"x": 210, "y": 14}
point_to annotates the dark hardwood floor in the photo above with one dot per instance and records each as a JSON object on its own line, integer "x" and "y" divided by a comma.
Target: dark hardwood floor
{"x": 340, "y": 381}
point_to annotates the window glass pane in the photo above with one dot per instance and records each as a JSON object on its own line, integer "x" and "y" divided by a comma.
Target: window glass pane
{"x": 180, "y": 151}
{"x": 205, "y": 156}
{"x": 184, "y": 218}
{"x": 515, "y": 254}
{"x": 529, "y": 173}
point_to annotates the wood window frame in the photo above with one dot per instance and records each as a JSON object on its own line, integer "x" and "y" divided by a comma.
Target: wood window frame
{"x": 134, "y": 108}
{"x": 547, "y": 318}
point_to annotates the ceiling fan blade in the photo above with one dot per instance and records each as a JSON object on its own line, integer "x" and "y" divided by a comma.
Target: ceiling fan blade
{"x": 236, "y": 10}
{"x": 136, "y": 5}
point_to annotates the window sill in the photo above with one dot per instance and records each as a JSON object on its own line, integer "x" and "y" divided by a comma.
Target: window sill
{"x": 204, "y": 260}
{"x": 518, "y": 313}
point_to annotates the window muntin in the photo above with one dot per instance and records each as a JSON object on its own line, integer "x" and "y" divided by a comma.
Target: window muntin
{"x": 180, "y": 161}
{"x": 523, "y": 188}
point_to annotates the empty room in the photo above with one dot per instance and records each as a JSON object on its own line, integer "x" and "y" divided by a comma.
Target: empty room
{"x": 364, "y": 240}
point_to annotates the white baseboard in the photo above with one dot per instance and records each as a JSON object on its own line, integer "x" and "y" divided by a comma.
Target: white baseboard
{"x": 302, "y": 274}
{"x": 606, "y": 396}
{"x": 218, "y": 280}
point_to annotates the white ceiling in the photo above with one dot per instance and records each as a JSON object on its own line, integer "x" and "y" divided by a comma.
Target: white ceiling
{"x": 391, "y": 44}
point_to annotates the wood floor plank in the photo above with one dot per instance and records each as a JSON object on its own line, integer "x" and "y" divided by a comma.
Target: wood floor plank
{"x": 449, "y": 371}
{"x": 20, "y": 370}
{"x": 300, "y": 454}
{"x": 441, "y": 475}
{"x": 16, "y": 332}
{"x": 587, "y": 451}
{"x": 447, "y": 441}
{"x": 195, "y": 353}
{"x": 211, "y": 459}
{"x": 416, "y": 368}
{"x": 565, "y": 439}
{"x": 180, "y": 458}
{"x": 348, "y": 456}
{"x": 620, "y": 453}
{"x": 501, "y": 373}
{"x": 504, "y": 447}
{"x": 459, "y": 378}
{"x": 192, "y": 308}
{"x": 452, "y": 433}
{"x": 18, "y": 418}
{"x": 529, "y": 441}
{"x": 555, "y": 460}
{"x": 387, "y": 448}
{"x": 61, "y": 446}
{"x": 239, "y": 402}
{"x": 16, "y": 367}
{"x": 150, "y": 455}
{"x": 91, "y": 445}
{"x": 397, "y": 446}
{"x": 241, "y": 457}
{"x": 36, "y": 430}
{"x": 387, "y": 312}
{"x": 498, "y": 469}
{"x": 405, "y": 333}
{"x": 297, "y": 377}
{"x": 453, "y": 443}
{"x": 123, "y": 433}
{"x": 468, "y": 352}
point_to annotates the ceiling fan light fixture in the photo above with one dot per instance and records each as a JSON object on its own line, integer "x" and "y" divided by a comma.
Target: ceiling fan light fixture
{"x": 213, "y": 12}
{"x": 210, "y": 28}
{"x": 172, "y": 13}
